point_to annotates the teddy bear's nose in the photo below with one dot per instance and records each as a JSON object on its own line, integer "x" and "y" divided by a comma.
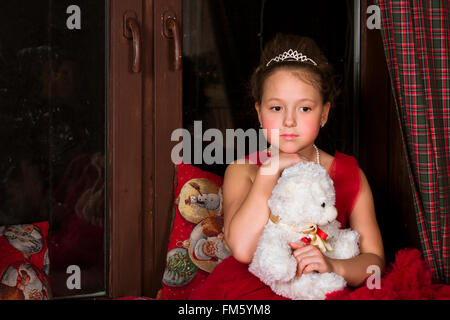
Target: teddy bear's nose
{"x": 323, "y": 205}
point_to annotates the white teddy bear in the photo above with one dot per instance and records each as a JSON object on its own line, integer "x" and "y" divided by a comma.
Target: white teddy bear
{"x": 302, "y": 209}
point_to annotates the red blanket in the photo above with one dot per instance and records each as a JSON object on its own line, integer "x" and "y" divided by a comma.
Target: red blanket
{"x": 408, "y": 277}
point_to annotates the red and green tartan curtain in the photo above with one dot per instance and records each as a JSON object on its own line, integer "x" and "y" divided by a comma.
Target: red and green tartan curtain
{"x": 416, "y": 39}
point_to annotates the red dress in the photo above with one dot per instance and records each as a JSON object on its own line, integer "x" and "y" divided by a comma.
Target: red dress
{"x": 231, "y": 280}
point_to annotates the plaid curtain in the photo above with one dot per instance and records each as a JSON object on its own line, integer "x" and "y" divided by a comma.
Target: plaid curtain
{"x": 416, "y": 39}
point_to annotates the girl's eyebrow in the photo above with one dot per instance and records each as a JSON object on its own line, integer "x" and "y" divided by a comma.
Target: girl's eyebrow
{"x": 274, "y": 99}
{"x": 281, "y": 100}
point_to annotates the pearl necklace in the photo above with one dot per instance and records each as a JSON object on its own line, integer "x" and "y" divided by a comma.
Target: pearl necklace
{"x": 317, "y": 154}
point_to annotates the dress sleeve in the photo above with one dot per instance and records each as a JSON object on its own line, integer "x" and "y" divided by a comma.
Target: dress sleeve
{"x": 347, "y": 185}
{"x": 258, "y": 157}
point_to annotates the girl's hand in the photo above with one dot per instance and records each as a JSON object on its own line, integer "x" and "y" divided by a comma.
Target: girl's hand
{"x": 282, "y": 161}
{"x": 310, "y": 258}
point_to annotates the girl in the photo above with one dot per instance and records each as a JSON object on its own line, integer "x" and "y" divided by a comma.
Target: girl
{"x": 293, "y": 89}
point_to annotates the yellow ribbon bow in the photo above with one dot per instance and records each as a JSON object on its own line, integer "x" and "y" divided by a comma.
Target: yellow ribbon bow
{"x": 316, "y": 236}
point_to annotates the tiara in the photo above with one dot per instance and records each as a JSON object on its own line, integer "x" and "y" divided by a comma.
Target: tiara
{"x": 291, "y": 55}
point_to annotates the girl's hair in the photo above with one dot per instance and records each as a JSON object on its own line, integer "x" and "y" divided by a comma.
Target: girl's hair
{"x": 321, "y": 76}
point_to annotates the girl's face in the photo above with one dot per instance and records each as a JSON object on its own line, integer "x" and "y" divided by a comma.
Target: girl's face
{"x": 295, "y": 108}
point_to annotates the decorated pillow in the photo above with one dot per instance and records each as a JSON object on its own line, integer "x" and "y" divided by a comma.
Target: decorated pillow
{"x": 195, "y": 243}
{"x": 24, "y": 263}
{"x": 24, "y": 281}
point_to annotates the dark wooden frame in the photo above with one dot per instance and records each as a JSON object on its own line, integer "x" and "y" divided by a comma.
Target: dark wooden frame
{"x": 163, "y": 92}
{"x": 148, "y": 147}
{"x": 144, "y": 110}
{"x": 124, "y": 159}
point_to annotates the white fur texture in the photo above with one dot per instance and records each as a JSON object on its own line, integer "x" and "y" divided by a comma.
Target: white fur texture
{"x": 304, "y": 194}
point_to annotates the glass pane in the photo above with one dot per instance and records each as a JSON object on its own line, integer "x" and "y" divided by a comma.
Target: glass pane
{"x": 222, "y": 43}
{"x": 52, "y": 165}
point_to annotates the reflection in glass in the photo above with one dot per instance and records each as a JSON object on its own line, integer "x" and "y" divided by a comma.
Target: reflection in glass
{"x": 52, "y": 134}
{"x": 204, "y": 96}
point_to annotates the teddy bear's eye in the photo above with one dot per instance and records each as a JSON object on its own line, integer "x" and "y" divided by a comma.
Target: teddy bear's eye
{"x": 323, "y": 205}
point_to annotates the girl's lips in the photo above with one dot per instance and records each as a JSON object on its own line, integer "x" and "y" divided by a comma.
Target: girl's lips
{"x": 289, "y": 136}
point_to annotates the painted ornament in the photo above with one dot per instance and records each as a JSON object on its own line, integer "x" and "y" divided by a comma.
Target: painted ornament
{"x": 206, "y": 244}
{"x": 179, "y": 268}
{"x": 199, "y": 199}
{"x": 24, "y": 281}
{"x": 26, "y": 238}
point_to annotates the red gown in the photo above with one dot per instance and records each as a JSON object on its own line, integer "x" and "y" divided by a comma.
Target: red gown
{"x": 231, "y": 280}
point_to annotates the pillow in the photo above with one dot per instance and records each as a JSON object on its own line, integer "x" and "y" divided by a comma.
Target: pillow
{"x": 24, "y": 281}
{"x": 195, "y": 244}
{"x": 24, "y": 261}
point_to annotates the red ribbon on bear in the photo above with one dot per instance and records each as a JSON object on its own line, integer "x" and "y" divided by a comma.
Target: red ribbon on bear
{"x": 319, "y": 232}
{"x": 306, "y": 240}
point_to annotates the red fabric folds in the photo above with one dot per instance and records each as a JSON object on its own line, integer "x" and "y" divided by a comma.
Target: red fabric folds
{"x": 231, "y": 280}
{"x": 408, "y": 278}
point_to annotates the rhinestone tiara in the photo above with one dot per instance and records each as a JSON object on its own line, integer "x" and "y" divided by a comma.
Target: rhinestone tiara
{"x": 291, "y": 55}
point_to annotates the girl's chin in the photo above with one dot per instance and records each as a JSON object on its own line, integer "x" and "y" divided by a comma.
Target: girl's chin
{"x": 288, "y": 149}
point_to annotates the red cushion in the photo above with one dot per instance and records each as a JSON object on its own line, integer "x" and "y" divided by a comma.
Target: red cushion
{"x": 197, "y": 223}
{"x": 23, "y": 248}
